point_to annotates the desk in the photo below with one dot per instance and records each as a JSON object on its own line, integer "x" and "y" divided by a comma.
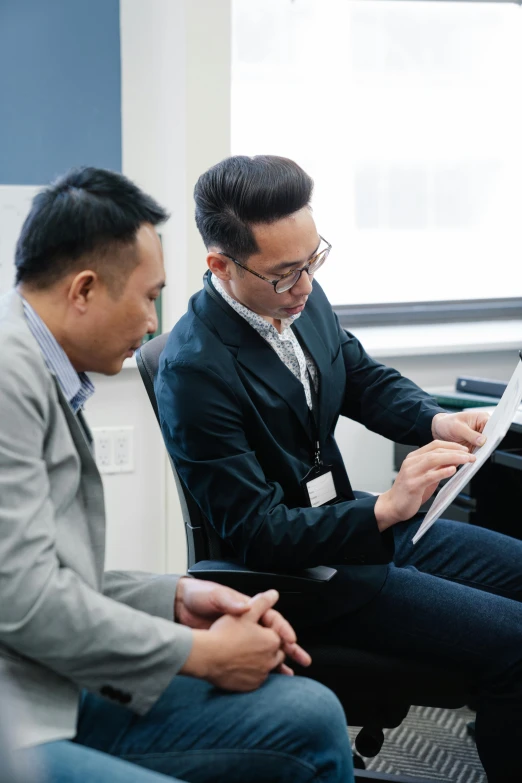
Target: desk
{"x": 493, "y": 497}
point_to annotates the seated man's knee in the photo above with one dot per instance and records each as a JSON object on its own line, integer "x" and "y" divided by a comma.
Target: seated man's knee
{"x": 309, "y": 711}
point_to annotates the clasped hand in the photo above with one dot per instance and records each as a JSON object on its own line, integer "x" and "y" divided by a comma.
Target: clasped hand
{"x": 259, "y": 637}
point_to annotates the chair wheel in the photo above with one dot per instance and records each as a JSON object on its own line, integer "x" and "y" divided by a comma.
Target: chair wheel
{"x": 369, "y": 741}
{"x": 358, "y": 762}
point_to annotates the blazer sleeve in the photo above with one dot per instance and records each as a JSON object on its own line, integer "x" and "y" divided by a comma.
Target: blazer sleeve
{"x": 48, "y": 613}
{"x": 150, "y": 593}
{"x": 382, "y": 399}
{"x": 204, "y": 431}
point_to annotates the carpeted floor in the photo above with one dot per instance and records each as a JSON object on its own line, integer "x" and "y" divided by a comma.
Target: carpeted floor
{"x": 431, "y": 743}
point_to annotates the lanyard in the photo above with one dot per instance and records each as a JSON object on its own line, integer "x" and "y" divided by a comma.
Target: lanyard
{"x": 314, "y": 412}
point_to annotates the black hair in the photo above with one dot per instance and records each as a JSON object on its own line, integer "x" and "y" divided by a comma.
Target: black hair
{"x": 240, "y": 192}
{"x": 87, "y": 211}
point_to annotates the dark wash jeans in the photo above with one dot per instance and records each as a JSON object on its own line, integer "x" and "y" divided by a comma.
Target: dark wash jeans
{"x": 291, "y": 730}
{"x": 455, "y": 599}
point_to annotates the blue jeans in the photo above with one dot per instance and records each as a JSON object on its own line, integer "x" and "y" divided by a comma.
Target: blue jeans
{"x": 455, "y": 599}
{"x": 291, "y": 730}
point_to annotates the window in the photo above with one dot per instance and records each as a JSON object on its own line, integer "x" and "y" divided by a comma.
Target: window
{"x": 408, "y": 116}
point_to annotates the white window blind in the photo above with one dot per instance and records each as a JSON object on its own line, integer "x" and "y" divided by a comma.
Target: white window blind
{"x": 408, "y": 115}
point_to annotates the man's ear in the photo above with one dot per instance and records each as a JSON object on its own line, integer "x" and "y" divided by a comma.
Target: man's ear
{"x": 219, "y": 265}
{"x": 82, "y": 289}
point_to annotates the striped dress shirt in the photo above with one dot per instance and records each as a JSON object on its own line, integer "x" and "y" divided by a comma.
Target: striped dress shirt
{"x": 77, "y": 387}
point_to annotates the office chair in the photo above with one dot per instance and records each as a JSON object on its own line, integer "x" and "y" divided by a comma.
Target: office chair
{"x": 376, "y": 691}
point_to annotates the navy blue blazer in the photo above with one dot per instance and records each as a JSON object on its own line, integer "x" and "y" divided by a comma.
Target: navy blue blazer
{"x": 237, "y": 426}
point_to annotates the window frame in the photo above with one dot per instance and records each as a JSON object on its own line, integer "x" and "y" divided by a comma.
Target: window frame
{"x": 444, "y": 311}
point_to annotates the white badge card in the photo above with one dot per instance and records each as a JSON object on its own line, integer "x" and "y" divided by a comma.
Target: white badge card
{"x": 321, "y": 490}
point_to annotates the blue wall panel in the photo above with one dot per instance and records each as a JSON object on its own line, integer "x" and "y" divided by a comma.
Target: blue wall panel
{"x": 60, "y": 88}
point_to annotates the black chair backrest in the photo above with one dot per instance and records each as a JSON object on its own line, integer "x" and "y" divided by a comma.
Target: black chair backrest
{"x": 203, "y": 543}
{"x": 147, "y": 359}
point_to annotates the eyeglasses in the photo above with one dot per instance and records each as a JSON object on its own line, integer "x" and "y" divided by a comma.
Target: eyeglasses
{"x": 288, "y": 280}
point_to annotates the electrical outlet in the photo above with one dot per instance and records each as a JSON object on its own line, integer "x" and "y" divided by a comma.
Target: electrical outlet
{"x": 114, "y": 449}
{"x": 123, "y": 451}
{"x": 103, "y": 449}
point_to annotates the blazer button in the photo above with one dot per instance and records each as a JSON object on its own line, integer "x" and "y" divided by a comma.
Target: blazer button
{"x": 109, "y": 692}
{"x": 115, "y": 694}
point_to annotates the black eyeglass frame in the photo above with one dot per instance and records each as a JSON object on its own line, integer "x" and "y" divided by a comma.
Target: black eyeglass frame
{"x": 324, "y": 252}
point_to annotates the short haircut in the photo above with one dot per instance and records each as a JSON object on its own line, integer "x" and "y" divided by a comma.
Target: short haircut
{"x": 87, "y": 218}
{"x": 241, "y": 192}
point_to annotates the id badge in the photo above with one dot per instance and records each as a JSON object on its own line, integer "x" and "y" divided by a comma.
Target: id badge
{"x": 319, "y": 486}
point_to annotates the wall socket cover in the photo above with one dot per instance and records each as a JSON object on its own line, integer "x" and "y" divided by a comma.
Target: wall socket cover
{"x": 114, "y": 449}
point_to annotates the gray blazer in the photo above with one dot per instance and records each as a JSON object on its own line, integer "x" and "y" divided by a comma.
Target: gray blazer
{"x": 64, "y": 623}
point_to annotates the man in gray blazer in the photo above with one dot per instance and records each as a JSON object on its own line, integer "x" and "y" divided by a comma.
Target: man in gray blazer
{"x": 93, "y": 655}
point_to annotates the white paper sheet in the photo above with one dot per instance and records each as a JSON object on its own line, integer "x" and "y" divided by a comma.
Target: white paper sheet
{"x": 495, "y": 430}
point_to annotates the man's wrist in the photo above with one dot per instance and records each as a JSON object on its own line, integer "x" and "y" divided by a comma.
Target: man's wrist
{"x": 436, "y": 418}
{"x": 384, "y": 513}
{"x": 201, "y": 657}
{"x": 178, "y": 598}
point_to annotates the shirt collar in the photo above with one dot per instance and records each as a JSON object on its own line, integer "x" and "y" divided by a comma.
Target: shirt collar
{"x": 254, "y": 319}
{"x": 77, "y": 387}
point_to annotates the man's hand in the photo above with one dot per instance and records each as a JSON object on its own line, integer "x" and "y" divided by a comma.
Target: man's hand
{"x": 418, "y": 478}
{"x": 276, "y": 621}
{"x": 199, "y": 603}
{"x": 465, "y": 427}
{"x": 237, "y": 653}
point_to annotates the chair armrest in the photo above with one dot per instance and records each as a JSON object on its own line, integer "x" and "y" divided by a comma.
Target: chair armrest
{"x": 309, "y": 580}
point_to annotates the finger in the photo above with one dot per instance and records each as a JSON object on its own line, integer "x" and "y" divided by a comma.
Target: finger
{"x": 435, "y": 476}
{"x": 424, "y": 469}
{"x": 225, "y": 600}
{"x": 442, "y": 458}
{"x": 297, "y": 654}
{"x": 261, "y": 603}
{"x": 429, "y": 490}
{"x": 463, "y": 432}
{"x": 433, "y": 446}
{"x": 284, "y": 669}
{"x": 278, "y": 659}
{"x": 482, "y": 420}
{"x": 274, "y": 620}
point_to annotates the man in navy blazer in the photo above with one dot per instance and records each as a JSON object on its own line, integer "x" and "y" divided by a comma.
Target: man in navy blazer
{"x": 251, "y": 385}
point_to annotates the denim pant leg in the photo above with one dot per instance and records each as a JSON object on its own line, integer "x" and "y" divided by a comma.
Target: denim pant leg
{"x": 461, "y": 610}
{"x": 67, "y": 762}
{"x": 464, "y": 553}
{"x": 291, "y": 730}
{"x": 488, "y": 561}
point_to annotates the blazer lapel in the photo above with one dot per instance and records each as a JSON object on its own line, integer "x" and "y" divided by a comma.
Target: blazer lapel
{"x": 310, "y": 339}
{"x": 90, "y": 479}
{"x": 255, "y": 354}
{"x": 260, "y": 359}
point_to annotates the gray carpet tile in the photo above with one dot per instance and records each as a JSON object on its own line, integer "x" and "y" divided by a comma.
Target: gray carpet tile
{"x": 431, "y": 743}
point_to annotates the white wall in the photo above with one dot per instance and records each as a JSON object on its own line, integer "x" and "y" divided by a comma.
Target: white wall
{"x": 135, "y": 502}
{"x": 175, "y": 124}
